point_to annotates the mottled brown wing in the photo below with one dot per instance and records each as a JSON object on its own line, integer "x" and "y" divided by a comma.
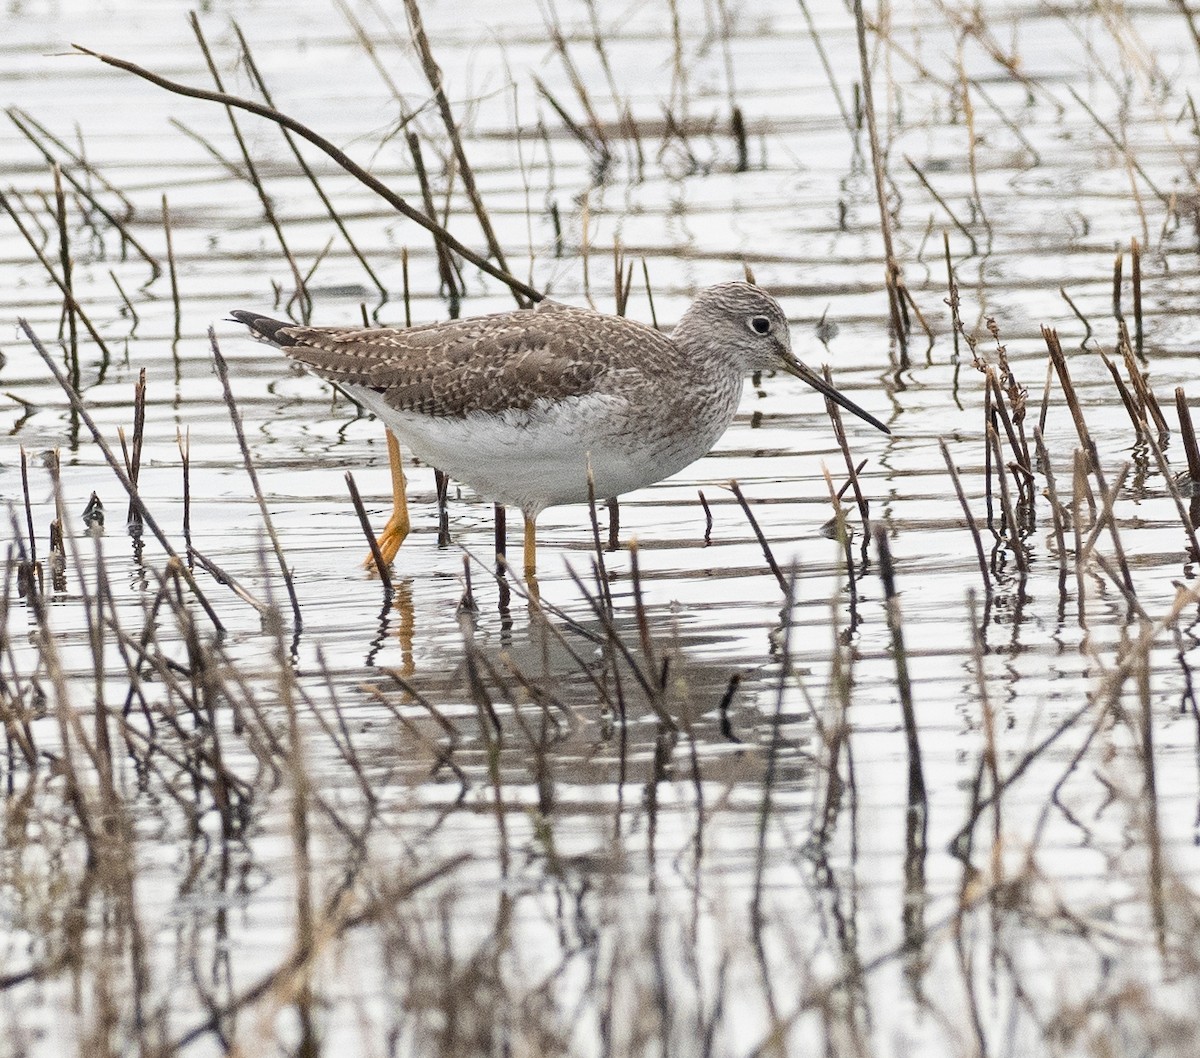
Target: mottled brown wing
{"x": 484, "y": 364}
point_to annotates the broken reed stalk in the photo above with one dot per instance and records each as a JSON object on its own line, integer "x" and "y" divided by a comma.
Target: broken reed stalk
{"x": 1172, "y": 485}
{"x": 1057, "y": 511}
{"x": 447, "y": 275}
{"x": 842, "y": 536}
{"x": 827, "y": 66}
{"x": 759, "y": 535}
{"x": 1087, "y": 327}
{"x": 970, "y": 518}
{"x": 385, "y": 575}
{"x": 1079, "y": 489}
{"x": 639, "y": 611}
{"x": 649, "y": 294}
{"x": 708, "y": 518}
{"x": 892, "y": 267}
{"x": 55, "y": 278}
{"x": 596, "y": 136}
{"x": 339, "y": 156}
{"x": 80, "y": 409}
{"x": 1019, "y": 448}
{"x": 301, "y": 292}
{"x": 1013, "y": 534}
{"x": 133, "y": 460}
{"x": 942, "y": 202}
{"x": 67, "y": 267}
{"x": 1188, "y": 432}
{"x": 1135, "y": 258}
{"x": 887, "y": 574}
{"x": 434, "y": 75}
{"x": 27, "y": 125}
{"x": 774, "y": 746}
{"x": 1141, "y": 386}
{"x": 988, "y": 418}
{"x": 612, "y": 639}
{"x": 248, "y": 462}
{"x": 174, "y": 275}
{"x": 1135, "y": 415}
{"x": 28, "y": 508}
{"x": 605, "y": 591}
{"x": 133, "y": 314}
{"x": 183, "y": 439}
{"x": 261, "y": 84}
{"x": 1059, "y": 360}
{"x": 952, "y": 296}
{"x": 839, "y": 432}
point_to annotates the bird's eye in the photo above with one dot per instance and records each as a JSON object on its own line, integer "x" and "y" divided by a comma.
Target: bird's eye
{"x": 760, "y": 324}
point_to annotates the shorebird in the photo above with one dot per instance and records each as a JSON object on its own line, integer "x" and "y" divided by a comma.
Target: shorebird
{"x": 523, "y": 405}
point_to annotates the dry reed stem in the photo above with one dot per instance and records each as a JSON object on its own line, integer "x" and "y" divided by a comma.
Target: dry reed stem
{"x": 80, "y": 409}
{"x": 1135, "y": 415}
{"x": 966, "y": 509}
{"x": 451, "y": 281}
{"x": 434, "y": 75}
{"x": 171, "y": 271}
{"x": 1087, "y": 327}
{"x": 1059, "y": 360}
{"x": 827, "y": 66}
{"x": 757, "y": 920}
{"x": 595, "y": 141}
{"x": 1012, "y": 532}
{"x": 942, "y": 202}
{"x": 385, "y": 575}
{"x": 892, "y": 278}
{"x": 1145, "y": 394}
{"x": 839, "y": 433}
{"x": 1057, "y": 512}
{"x": 759, "y": 535}
{"x": 55, "y": 278}
{"x": 248, "y": 462}
{"x": 301, "y": 292}
{"x": 708, "y": 518}
{"x": 339, "y": 156}
{"x": 1188, "y": 432}
{"x": 1079, "y": 487}
{"x": 1135, "y": 256}
{"x": 260, "y": 82}
{"x": 67, "y": 268}
{"x": 604, "y": 591}
{"x": 1122, "y": 147}
{"x": 26, "y": 125}
{"x": 917, "y": 799}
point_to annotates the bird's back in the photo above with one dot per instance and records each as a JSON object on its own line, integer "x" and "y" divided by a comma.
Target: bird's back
{"x": 486, "y": 364}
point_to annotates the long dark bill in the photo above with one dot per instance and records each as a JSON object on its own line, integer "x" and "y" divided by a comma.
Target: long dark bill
{"x": 807, "y": 374}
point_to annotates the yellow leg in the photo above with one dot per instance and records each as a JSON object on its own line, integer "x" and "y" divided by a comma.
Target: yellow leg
{"x": 530, "y": 547}
{"x": 397, "y": 527}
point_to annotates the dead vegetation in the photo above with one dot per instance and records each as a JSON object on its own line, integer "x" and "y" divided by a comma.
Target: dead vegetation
{"x": 958, "y": 822}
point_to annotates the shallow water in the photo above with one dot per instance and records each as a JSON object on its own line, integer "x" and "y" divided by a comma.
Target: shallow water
{"x": 607, "y": 887}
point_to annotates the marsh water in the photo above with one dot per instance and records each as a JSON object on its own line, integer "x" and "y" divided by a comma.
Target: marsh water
{"x": 691, "y": 807}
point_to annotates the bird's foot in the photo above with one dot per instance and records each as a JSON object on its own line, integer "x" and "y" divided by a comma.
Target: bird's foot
{"x": 389, "y": 540}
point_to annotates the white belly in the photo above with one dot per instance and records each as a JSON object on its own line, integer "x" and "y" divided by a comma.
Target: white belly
{"x": 539, "y": 458}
